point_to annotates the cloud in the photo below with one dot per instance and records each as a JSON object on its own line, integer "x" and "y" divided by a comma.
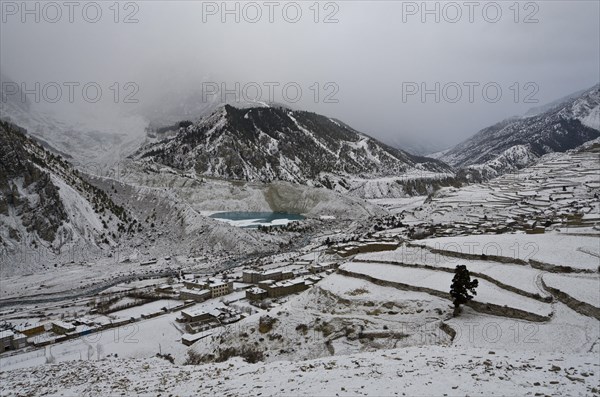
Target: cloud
{"x": 354, "y": 68}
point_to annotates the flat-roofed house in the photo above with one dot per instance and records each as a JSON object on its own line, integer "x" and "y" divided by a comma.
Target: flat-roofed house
{"x": 283, "y": 288}
{"x": 218, "y": 289}
{"x": 287, "y": 274}
{"x": 190, "y": 339}
{"x": 266, "y": 284}
{"x": 6, "y": 338}
{"x": 31, "y": 330}
{"x": 250, "y": 276}
{"x": 195, "y": 294}
{"x": 62, "y": 327}
{"x": 272, "y": 275}
{"x": 19, "y": 340}
{"x": 191, "y": 284}
{"x": 195, "y": 315}
{"x": 255, "y": 294}
{"x": 254, "y": 276}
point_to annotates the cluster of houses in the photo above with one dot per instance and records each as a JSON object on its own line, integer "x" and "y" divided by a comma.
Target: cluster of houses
{"x": 258, "y": 285}
{"x": 201, "y": 290}
{"x": 277, "y": 283}
{"x": 197, "y": 320}
{"x": 533, "y": 214}
{"x": 548, "y": 199}
{"x": 11, "y": 340}
{"x": 532, "y": 222}
{"x": 42, "y": 334}
{"x": 364, "y": 244}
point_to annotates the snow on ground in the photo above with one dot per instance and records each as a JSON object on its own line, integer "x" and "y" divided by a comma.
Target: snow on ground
{"x": 148, "y": 308}
{"x": 521, "y": 277}
{"x": 592, "y": 231}
{"x": 583, "y": 288}
{"x": 141, "y": 339}
{"x": 250, "y": 223}
{"x": 440, "y": 281}
{"x": 415, "y": 371}
{"x": 335, "y": 316}
{"x": 77, "y": 278}
{"x": 361, "y": 290}
{"x": 136, "y": 340}
{"x": 567, "y": 332}
{"x": 553, "y": 249}
{"x": 209, "y": 196}
{"x": 397, "y": 205}
{"x": 488, "y": 355}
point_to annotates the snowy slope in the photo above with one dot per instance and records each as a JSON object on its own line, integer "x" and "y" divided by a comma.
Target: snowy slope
{"x": 516, "y": 142}
{"x": 50, "y": 213}
{"x": 418, "y": 371}
{"x": 275, "y": 143}
{"x": 47, "y": 210}
{"x": 93, "y": 140}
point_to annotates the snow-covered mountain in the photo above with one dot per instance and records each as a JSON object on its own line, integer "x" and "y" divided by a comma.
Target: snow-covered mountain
{"x": 517, "y": 142}
{"x": 46, "y": 206}
{"x": 275, "y": 143}
{"x": 51, "y": 212}
{"x": 91, "y": 138}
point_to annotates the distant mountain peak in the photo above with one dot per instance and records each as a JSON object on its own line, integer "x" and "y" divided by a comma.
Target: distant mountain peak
{"x": 277, "y": 143}
{"x": 563, "y": 125}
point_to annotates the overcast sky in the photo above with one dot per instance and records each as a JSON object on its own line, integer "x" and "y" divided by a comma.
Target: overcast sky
{"x": 375, "y": 56}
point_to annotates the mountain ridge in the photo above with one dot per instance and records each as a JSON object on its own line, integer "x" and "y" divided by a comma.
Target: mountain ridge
{"x": 518, "y": 141}
{"x": 267, "y": 144}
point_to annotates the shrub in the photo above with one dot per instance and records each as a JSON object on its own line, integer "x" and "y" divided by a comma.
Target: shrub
{"x": 358, "y": 291}
{"x": 265, "y": 324}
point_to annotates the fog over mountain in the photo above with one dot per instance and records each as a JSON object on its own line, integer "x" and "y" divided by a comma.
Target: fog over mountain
{"x": 299, "y": 198}
{"x": 368, "y": 55}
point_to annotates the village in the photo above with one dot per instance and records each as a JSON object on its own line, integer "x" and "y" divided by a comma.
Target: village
{"x": 558, "y": 193}
{"x": 200, "y": 303}
{"x": 177, "y": 301}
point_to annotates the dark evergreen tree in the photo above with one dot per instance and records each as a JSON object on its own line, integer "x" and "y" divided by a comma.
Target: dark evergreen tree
{"x": 462, "y": 289}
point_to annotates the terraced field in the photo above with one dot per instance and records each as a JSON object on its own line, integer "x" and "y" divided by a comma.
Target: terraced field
{"x": 559, "y": 185}
{"x": 490, "y": 298}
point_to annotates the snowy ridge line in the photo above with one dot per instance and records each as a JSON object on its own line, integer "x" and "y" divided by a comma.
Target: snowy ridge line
{"x": 486, "y": 308}
{"x": 504, "y": 259}
{"x": 292, "y": 146}
{"x": 311, "y": 135}
{"x": 492, "y": 280}
{"x": 580, "y": 307}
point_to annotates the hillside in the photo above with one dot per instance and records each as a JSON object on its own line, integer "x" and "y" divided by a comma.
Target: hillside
{"x": 51, "y": 213}
{"x": 47, "y": 209}
{"x": 89, "y": 137}
{"x": 517, "y": 142}
{"x": 269, "y": 144}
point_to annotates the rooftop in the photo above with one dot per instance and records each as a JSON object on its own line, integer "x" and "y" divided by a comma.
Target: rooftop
{"x": 200, "y": 292}
{"x": 275, "y": 271}
{"x": 6, "y": 334}
{"x": 199, "y": 312}
{"x": 63, "y": 324}
{"x": 256, "y": 290}
{"x": 24, "y": 327}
